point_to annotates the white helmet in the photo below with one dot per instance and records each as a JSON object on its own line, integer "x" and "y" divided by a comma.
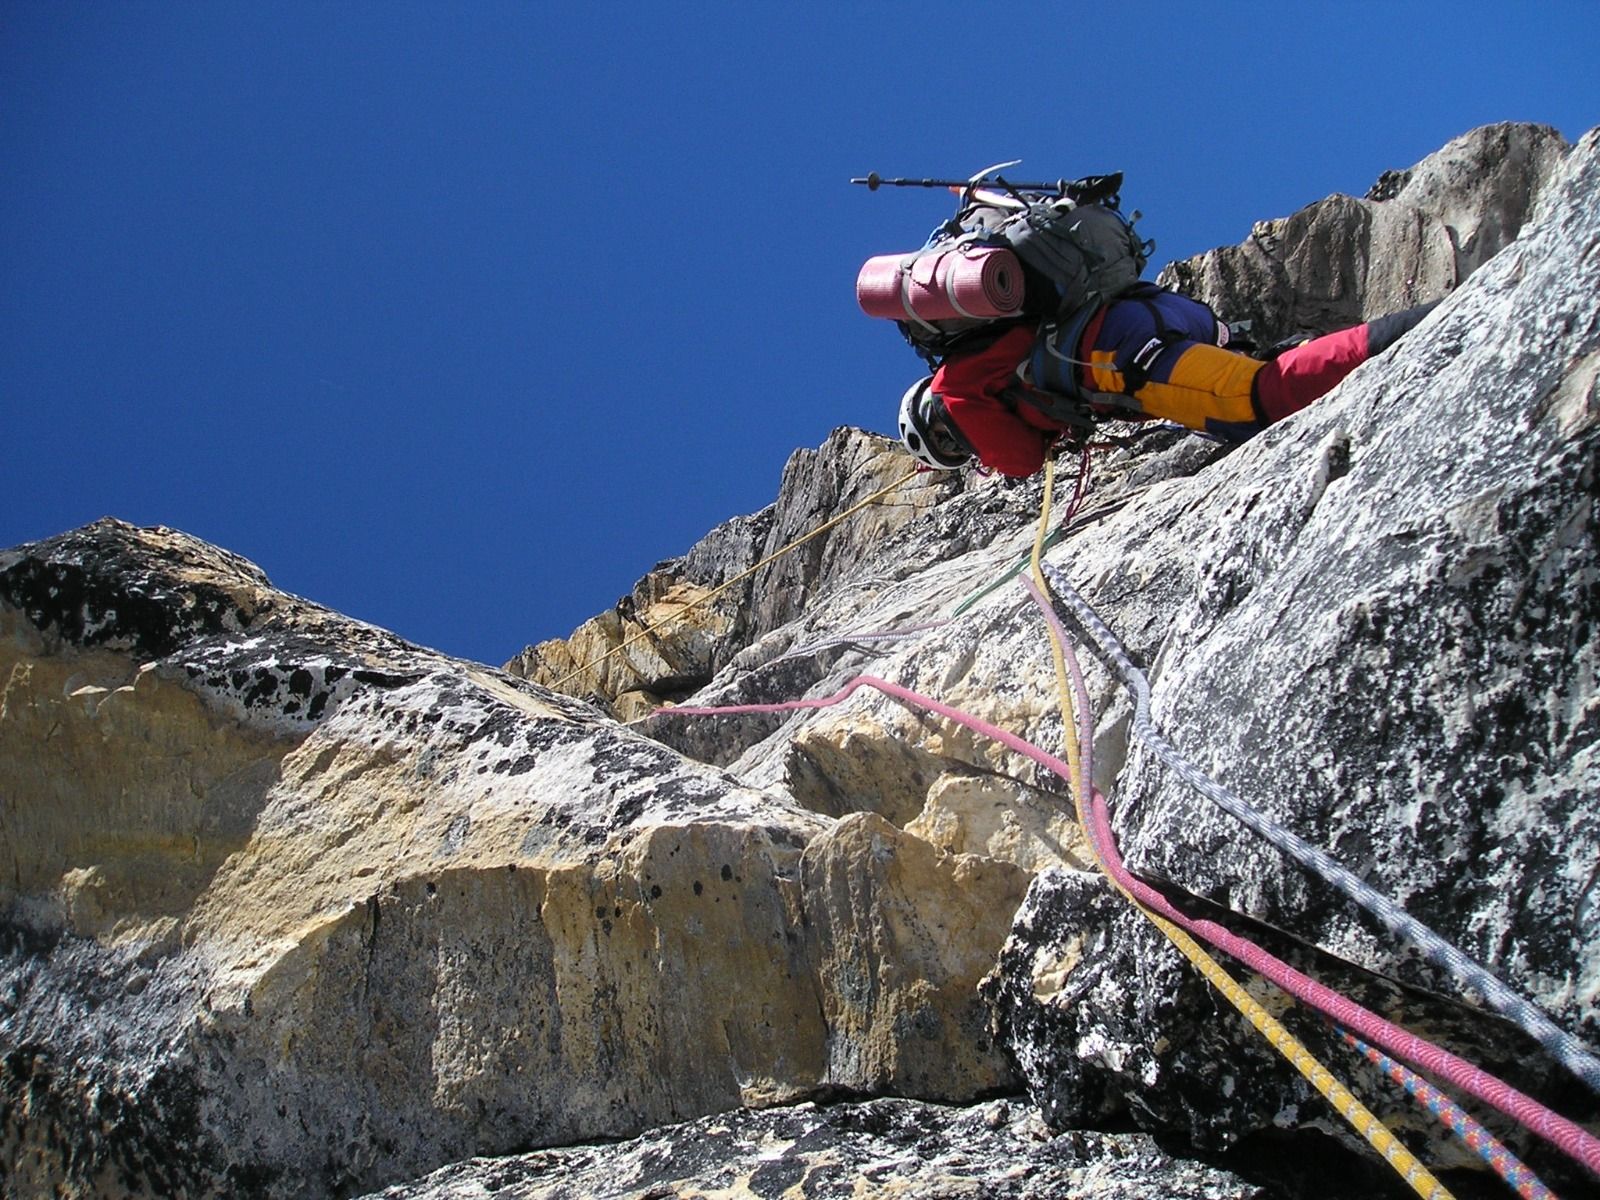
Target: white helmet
{"x": 927, "y": 431}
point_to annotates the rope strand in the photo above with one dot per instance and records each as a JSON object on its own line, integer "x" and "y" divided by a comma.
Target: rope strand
{"x": 1473, "y": 1135}
{"x": 1077, "y": 770}
{"x": 1010, "y": 740}
{"x": 1565, "y": 1048}
{"x": 1097, "y": 823}
{"x": 1078, "y": 735}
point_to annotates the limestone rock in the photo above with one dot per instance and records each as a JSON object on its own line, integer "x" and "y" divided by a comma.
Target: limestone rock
{"x": 908, "y": 932}
{"x": 1482, "y": 187}
{"x": 664, "y": 638}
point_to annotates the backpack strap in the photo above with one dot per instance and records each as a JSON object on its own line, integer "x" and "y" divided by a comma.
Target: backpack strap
{"x": 1136, "y": 372}
{"x": 1047, "y": 380}
{"x": 906, "y": 265}
{"x": 1076, "y": 418}
{"x": 1053, "y": 367}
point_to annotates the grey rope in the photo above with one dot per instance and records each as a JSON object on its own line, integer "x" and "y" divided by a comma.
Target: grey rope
{"x": 1563, "y": 1046}
{"x": 856, "y": 640}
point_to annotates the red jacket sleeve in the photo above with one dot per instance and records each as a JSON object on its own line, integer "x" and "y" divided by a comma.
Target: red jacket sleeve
{"x": 971, "y": 386}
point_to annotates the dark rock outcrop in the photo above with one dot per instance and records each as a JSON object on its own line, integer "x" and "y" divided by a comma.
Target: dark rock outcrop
{"x": 872, "y": 1151}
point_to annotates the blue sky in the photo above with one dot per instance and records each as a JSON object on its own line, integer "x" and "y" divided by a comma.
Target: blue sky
{"x": 458, "y": 317}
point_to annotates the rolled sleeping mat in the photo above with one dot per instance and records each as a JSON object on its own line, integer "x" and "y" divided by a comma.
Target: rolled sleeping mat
{"x": 982, "y": 282}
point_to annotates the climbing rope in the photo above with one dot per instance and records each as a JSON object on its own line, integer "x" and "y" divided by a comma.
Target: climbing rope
{"x": 856, "y": 640}
{"x": 690, "y": 606}
{"x": 1067, "y": 525}
{"x": 1096, "y": 823}
{"x": 1078, "y": 737}
{"x": 1281, "y": 1038}
{"x": 1478, "y": 1139}
{"x": 1565, "y": 1048}
{"x": 1573, "y": 1140}
{"x": 1344, "y": 1101}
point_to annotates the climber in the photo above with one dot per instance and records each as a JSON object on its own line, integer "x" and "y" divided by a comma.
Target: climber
{"x": 1152, "y": 354}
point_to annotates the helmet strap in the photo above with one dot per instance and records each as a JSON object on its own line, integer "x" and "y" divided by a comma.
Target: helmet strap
{"x": 938, "y": 412}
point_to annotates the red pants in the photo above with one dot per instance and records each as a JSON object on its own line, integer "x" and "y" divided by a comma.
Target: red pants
{"x": 1308, "y": 372}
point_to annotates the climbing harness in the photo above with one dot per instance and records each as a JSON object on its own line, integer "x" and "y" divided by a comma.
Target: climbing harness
{"x": 690, "y": 606}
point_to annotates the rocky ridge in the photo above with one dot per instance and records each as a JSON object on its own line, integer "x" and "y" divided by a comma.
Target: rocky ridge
{"x": 297, "y": 908}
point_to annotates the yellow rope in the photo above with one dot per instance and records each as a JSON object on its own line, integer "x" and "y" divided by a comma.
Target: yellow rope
{"x": 691, "y": 605}
{"x": 1064, "y": 695}
{"x": 1344, "y": 1102}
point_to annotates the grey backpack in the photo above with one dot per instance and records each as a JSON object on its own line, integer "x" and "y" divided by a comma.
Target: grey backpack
{"x": 1074, "y": 243}
{"x": 1084, "y": 247}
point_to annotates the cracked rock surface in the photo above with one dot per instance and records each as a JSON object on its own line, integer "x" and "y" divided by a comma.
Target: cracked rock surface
{"x": 294, "y": 907}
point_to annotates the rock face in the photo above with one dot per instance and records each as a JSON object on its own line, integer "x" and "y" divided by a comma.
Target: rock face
{"x": 1413, "y": 238}
{"x": 1388, "y": 642}
{"x": 648, "y": 650}
{"x": 872, "y": 1151}
{"x": 296, "y": 908}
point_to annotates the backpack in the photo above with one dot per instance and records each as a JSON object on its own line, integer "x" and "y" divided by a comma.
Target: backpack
{"x": 1075, "y": 247}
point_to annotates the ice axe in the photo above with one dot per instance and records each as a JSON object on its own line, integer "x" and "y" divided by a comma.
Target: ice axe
{"x": 1082, "y": 191}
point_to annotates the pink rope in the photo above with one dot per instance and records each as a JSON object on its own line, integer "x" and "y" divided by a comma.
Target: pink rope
{"x": 977, "y": 724}
{"x": 1569, "y": 1137}
{"x": 1525, "y": 1111}
{"x": 1476, "y": 1138}
{"x": 1079, "y": 492}
{"x": 1528, "y": 1112}
{"x": 1102, "y": 841}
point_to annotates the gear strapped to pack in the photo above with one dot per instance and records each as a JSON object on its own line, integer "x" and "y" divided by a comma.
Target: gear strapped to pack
{"x": 1040, "y": 255}
{"x": 1070, "y": 239}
